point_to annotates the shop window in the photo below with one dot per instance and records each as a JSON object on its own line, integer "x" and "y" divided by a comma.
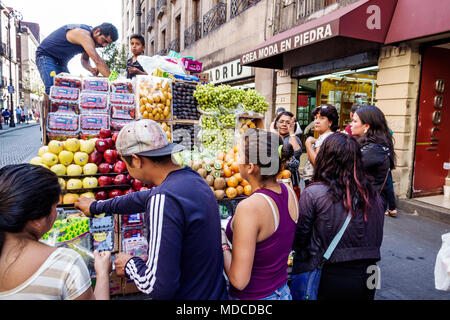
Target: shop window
{"x": 341, "y": 89}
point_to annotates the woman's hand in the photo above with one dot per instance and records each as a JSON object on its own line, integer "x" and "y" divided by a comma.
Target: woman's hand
{"x": 102, "y": 264}
{"x": 292, "y": 126}
{"x": 310, "y": 141}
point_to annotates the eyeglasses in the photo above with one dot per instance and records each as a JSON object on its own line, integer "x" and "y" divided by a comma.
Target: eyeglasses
{"x": 285, "y": 122}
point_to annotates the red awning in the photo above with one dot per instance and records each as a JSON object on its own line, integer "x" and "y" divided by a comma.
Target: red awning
{"x": 366, "y": 20}
{"x": 418, "y": 18}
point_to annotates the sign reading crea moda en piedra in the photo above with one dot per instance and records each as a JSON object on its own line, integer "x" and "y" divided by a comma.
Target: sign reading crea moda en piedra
{"x": 293, "y": 42}
{"x": 230, "y": 71}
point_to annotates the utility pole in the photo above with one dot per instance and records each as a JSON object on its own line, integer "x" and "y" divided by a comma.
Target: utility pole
{"x": 139, "y": 15}
{"x": 17, "y": 16}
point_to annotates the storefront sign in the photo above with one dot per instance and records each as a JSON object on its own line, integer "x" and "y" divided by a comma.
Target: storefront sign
{"x": 296, "y": 41}
{"x": 230, "y": 71}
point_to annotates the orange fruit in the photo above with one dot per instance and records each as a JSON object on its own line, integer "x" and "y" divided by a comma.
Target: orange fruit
{"x": 235, "y": 167}
{"x": 245, "y": 183}
{"x": 240, "y": 190}
{"x": 248, "y": 190}
{"x": 227, "y": 171}
{"x": 221, "y": 156}
{"x": 239, "y": 177}
{"x": 285, "y": 174}
{"x": 235, "y": 149}
{"x": 231, "y": 192}
{"x": 233, "y": 182}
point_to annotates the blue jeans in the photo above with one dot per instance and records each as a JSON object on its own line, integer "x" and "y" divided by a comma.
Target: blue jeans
{"x": 46, "y": 65}
{"x": 283, "y": 293}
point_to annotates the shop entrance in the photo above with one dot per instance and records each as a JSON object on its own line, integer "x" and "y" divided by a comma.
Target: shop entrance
{"x": 342, "y": 89}
{"x": 433, "y": 130}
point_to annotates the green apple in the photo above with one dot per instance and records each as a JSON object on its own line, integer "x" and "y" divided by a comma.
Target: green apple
{"x": 49, "y": 159}
{"x": 36, "y": 160}
{"x": 81, "y": 158}
{"x": 90, "y": 195}
{"x": 90, "y": 168}
{"x": 74, "y": 184}
{"x": 89, "y": 183}
{"x": 42, "y": 150}
{"x": 65, "y": 157}
{"x": 74, "y": 170}
{"x": 87, "y": 146}
{"x": 72, "y": 145}
{"x": 59, "y": 169}
{"x": 55, "y": 147}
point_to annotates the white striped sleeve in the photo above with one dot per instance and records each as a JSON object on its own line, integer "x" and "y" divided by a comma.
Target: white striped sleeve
{"x": 145, "y": 275}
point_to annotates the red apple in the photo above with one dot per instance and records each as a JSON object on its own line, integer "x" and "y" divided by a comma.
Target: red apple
{"x": 110, "y": 143}
{"x": 96, "y": 157}
{"x": 104, "y": 168}
{"x": 110, "y": 156}
{"x": 131, "y": 190}
{"x": 120, "y": 167}
{"x": 105, "y": 133}
{"x": 129, "y": 178}
{"x": 120, "y": 179}
{"x": 104, "y": 181}
{"x": 137, "y": 185}
{"x": 115, "y": 193}
{"x": 101, "y": 195}
{"x": 101, "y": 145}
{"x": 144, "y": 189}
{"x": 114, "y": 137}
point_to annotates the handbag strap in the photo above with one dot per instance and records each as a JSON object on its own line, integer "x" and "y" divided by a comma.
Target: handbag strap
{"x": 336, "y": 239}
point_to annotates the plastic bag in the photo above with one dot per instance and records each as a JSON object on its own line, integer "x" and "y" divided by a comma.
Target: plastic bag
{"x": 442, "y": 267}
{"x": 150, "y": 64}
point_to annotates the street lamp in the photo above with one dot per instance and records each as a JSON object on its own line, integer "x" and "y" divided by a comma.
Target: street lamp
{"x": 17, "y": 17}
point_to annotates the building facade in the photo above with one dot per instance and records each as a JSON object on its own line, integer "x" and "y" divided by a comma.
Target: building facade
{"x": 31, "y": 86}
{"x": 304, "y": 53}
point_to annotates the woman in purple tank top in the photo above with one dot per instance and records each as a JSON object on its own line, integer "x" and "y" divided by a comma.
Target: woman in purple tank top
{"x": 262, "y": 229}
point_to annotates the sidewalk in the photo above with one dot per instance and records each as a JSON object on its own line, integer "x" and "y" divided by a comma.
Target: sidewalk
{"x": 19, "y": 126}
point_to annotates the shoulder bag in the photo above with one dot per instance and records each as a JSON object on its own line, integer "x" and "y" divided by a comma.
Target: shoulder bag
{"x": 305, "y": 286}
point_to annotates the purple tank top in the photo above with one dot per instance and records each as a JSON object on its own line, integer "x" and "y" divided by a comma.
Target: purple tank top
{"x": 269, "y": 270}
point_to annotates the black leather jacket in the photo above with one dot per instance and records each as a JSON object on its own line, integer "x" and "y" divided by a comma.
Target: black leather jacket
{"x": 377, "y": 160}
{"x": 321, "y": 219}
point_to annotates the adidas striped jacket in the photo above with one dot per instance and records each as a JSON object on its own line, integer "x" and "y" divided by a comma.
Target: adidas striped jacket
{"x": 185, "y": 254}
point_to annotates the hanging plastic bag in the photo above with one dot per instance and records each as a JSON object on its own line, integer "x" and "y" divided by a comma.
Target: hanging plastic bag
{"x": 442, "y": 267}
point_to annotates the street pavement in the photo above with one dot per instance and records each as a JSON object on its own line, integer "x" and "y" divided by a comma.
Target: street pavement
{"x": 20, "y": 144}
{"x": 409, "y": 249}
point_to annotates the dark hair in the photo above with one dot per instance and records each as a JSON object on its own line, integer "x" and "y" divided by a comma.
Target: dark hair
{"x": 284, "y": 113}
{"x": 339, "y": 166}
{"x": 27, "y": 193}
{"x": 329, "y": 111}
{"x": 279, "y": 110}
{"x": 379, "y": 131}
{"x": 159, "y": 160}
{"x": 267, "y": 150}
{"x": 355, "y": 107}
{"x": 108, "y": 29}
{"x": 138, "y": 37}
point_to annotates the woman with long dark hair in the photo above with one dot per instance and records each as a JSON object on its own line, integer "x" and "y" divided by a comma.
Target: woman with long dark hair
{"x": 262, "y": 229}
{"x": 340, "y": 187}
{"x": 377, "y": 146}
{"x": 30, "y": 269}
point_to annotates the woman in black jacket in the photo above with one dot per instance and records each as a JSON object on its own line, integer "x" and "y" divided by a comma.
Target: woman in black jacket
{"x": 377, "y": 147}
{"x": 340, "y": 186}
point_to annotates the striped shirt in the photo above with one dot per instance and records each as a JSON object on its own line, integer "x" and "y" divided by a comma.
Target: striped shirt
{"x": 185, "y": 258}
{"x": 63, "y": 276}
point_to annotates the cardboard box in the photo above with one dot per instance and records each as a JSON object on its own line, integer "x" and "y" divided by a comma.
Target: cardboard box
{"x": 204, "y": 77}
{"x": 129, "y": 287}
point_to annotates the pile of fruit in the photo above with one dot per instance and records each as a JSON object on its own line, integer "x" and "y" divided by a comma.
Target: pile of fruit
{"x": 244, "y": 125}
{"x": 227, "y": 99}
{"x": 155, "y": 98}
{"x": 184, "y": 103}
{"x": 220, "y": 107}
{"x": 222, "y": 175}
{"x": 89, "y": 168}
{"x": 185, "y": 135}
